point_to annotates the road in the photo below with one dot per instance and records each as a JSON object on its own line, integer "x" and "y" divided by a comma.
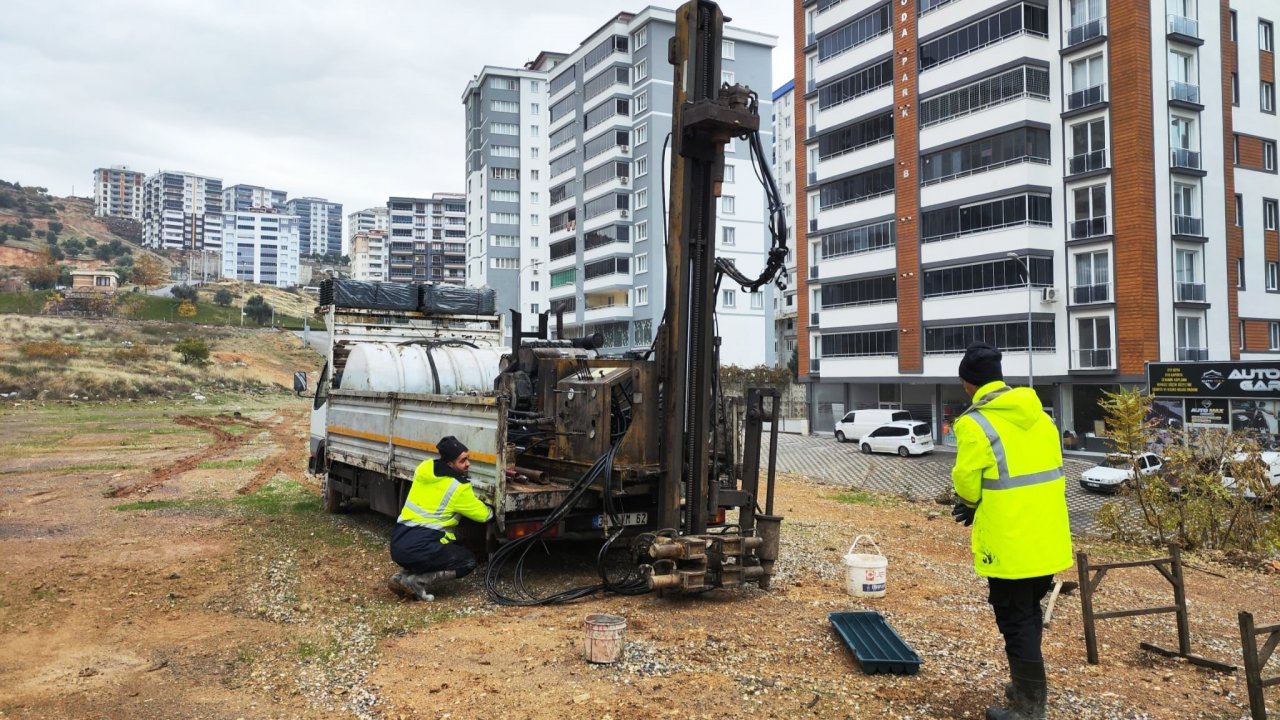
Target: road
{"x": 922, "y": 477}
{"x": 317, "y": 339}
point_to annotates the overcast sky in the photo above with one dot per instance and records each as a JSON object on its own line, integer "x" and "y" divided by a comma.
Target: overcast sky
{"x": 349, "y": 101}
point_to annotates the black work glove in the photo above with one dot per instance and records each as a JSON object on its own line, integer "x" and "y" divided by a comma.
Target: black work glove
{"x": 962, "y": 513}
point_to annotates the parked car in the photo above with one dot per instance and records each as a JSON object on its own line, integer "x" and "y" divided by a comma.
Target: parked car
{"x": 857, "y": 423}
{"x": 1109, "y": 475}
{"x": 905, "y": 437}
{"x": 1270, "y": 459}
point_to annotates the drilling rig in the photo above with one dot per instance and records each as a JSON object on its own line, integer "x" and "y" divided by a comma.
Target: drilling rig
{"x": 567, "y": 442}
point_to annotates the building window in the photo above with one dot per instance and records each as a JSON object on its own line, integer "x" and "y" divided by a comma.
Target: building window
{"x": 728, "y": 204}
{"x": 967, "y": 219}
{"x": 642, "y": 166}
{"x": 1269, "y": 212}
{"x": 535, "y": 86}
{"x": 504, "y": 129}
{"x": 534, "y": 174}
{"x": 1009, "y": 85}
{"x": 1002, "y": 274}
{"x": 1095, "y": 342}
{"x": 504, "y": 151}
{"x": 726, "y": 49}
{"x": 757, "y": 301}
{"x": 1190, "y": 348}
{"x": 534, "y": 109}
{"x": 504, "y": 263}
{"x": 1187, "y": 274}
{"x": 728, "y": 173}
{"x": 1186, "y": 210}
{"x": 1007, "y": 148}
{"x": 505, "y": 106}
{"x": 1239, "y": 273}
{"x": 641, "y": 71}
{"x": 1088, "y": 82}
{"x": 1090, "y": 209}
{"x": 533, "y": 153}
{"x": 642, "y": 102}
{"x": 854, "y": 33}
{"x": 1088, "y": 146}
{"x": 1273, "y": 276}
{"x": 533, "y": 219}
{"x": 1235, "y": 89}
{"x": 1239, "y": 210}
{"x": 856, "y": 85}
{"x": 642, "y": 133}
{"x": 642, "y": 295}
{"x": 1273, "y": 336}
{"x": 859, "y": 344}
{"x": 1093, "y": 278}
{"x": 1020, "y": 18}
{"x": 534, "y": 284}
{"x": 730, "y": 298}
{"x": 502, "y": 83}
{"x": 728, "y": 235}
{"x": 642, "y": 263}
{"x": 1008, "y": 336}
{"x": 642, "y": 231}
{"x": 534, "y": 199}
{"x": 864, "y": 186}
{"x": 640, "y": 38}
{"x": 1266, "y": 36}
{"x": 857, "y": 240}
{"x": 1269, "y": 154}
{"x": 642, "y": 199}
{"x": 726, "y": 77}
{"x": 504, "y": 196}
{"x": 534, "y": 131}
{"x": 1234, "y": 20}
{"x": 865, "y": 291}
{"x": 1268, "y": 100}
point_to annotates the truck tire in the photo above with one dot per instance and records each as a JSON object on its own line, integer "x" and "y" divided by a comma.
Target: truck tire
{"x": 334, "y": 501}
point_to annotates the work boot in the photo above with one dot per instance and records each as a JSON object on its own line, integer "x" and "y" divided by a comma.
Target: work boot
{"x": 1030, "y": 693}
{"x": 423, "y": 584}
{"x": 396, "y": 584}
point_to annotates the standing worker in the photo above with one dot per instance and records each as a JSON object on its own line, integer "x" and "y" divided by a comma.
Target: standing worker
{"x": 1010, "y": 487}
{"x": 423, "y": 542}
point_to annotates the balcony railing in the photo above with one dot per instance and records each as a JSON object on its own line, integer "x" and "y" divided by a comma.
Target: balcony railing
{"x": 1089, "y": 161}
{"x": 1089, "y": 227}
{"x": 1089, "y": 359}
{"x": 1187, "y": 225}
{"x": 1086, "y": 97}
{"x": 1086, "y": 294}
{"x": 1190, "y": 354}
{"x": 1185, "y": 92}
{"x": 1085, "y": 31}
{"x": 1184, "y": 26}
{"x": 1190, "y": 292}
{"x": 1184, "y": 158}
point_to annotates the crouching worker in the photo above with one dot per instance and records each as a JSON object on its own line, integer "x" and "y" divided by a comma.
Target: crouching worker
{"x": 423, "y": 542}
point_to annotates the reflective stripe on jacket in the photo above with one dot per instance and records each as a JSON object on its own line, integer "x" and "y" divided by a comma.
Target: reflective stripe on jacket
{"x": 1009, "y": 466}
{"x": 436, "y": 501}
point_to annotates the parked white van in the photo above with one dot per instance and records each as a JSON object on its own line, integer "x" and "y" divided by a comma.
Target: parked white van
{"x": 857, "y": 423}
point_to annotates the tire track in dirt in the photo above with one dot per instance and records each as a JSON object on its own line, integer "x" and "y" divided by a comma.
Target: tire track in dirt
{"x": 224, "y": 442}
{"x": 282, "y": 461}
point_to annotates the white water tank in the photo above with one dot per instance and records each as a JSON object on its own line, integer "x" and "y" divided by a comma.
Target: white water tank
{"x": 441, "y": 369}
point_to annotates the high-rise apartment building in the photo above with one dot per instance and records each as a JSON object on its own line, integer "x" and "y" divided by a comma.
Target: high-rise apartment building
{"x": 1058, "y": 178}
{"x": 784, "y": 172}
{"x": 117, "y": 192}
{"x": 182, "y": 211}
{"x": 319, "y": 225}
{"x": 374, "y": 218}
{"x": 261, "y": 247}
{"x": 246, "y": 198}
{"x": 427, "y": 239}
{"x": 368, "y": 255}
{"x": 569, "y": 162}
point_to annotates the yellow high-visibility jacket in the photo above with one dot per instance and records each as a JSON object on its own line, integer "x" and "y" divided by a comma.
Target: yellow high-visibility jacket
{"x": 1009, "y": 466}
{"x": 436, "y": 501}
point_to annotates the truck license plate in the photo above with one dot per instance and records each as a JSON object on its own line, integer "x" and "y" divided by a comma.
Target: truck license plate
{"x": 631, "y": 518}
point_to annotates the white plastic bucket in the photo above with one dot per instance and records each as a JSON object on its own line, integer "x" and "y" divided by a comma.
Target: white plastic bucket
{"x": 604, "y": 637}
{"x": 866, "y": 573}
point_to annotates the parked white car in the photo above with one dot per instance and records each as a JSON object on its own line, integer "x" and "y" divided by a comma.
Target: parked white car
{"x": 1270, "y": 459}
{"x": 857, "y": 423}
{"x": 905, "y": 437}
{"x": 1109, "y": 475}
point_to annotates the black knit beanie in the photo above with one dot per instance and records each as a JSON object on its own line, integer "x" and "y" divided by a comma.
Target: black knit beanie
{"x": 450, "y": 448}
{"x": 981, "y": 364}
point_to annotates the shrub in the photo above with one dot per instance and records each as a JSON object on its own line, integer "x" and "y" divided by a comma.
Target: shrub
{"x": 193, "y": 350}
{"x": 258, "y": 310}
{"x": 187, "y": 309}
{"x": 42, "y": 277}
{"x": 51, "y": 350}
{"x": 184, "y": 292}
{"x": 55, "y": 227}
{"x": 73, "y": 246}
{"x": 223, "y": 297}
{"x": 129, "y": 355}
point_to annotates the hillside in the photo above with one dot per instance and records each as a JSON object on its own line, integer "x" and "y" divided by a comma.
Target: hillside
{"x": 28, "y": 214}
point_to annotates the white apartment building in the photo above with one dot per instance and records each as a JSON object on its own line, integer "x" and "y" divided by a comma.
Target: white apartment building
{"x": 427, "y": 239}
{"x": 117, "y": 192}
{"x": 585, "y": 180}
{"x": 951, "y": 148}
{"x": 374, "y": 218}
{"x": 247, "y": 198}
{"x": 319, "y": 224}
{"x": 261, "y": 247}
{"x": 182, "y": 211}
{"x": 785, "y": 341}
{"x": 368, "y": 253}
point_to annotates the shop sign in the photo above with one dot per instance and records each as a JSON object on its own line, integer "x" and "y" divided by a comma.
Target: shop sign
{"x": 1206, "y": 411}
{"x": 1214, "y": 379}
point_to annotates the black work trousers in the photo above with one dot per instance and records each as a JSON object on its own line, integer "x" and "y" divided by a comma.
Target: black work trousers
{"x": 419, "y": 550}
{"x": 1017, "y": 607}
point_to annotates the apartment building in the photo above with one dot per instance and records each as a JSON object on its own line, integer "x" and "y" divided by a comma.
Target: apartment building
{"x": 374, "y": 218}
{"x": 427, "y": 239}
{"x": 117, "y": 192}
{"x": 261, "y": 247}
{"x": 785, "y": 334}
{"x": 246, "y": 198}
{"x": 182, "y": 211}
{"x": 368, "y": 253}
{"x": 598, "y": 150}
{"x": 1046, "y": 175}
{"x": 319, "y": 225}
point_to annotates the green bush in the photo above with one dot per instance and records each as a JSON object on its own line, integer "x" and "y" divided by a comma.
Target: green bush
{"x": 52, "y": 350}
{"x": 193, "y": 350}
{"x": 223, "y": 297}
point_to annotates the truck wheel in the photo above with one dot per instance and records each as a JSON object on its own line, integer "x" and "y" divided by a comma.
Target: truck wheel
{"x": 839, "y": 436}
{"x": 334, "y": 501}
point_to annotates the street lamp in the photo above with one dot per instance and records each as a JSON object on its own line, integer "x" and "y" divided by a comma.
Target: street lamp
{"x": 1026, "y": 271}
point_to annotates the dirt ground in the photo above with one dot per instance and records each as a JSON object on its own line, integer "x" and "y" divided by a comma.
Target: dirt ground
{"x": 172, "y": 560}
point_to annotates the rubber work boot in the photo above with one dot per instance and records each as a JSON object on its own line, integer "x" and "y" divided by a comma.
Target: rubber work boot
{"x": 424, "y": 583}
{"x": 1030, "y": 693}
{"x": 396, "y": 584}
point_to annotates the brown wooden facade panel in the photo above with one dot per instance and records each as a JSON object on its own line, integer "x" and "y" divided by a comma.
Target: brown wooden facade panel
{"x": 906, "y": 150}
{"x": 1267, "y": 66}
{"x": 1257, "y": 335}
{"x": 1235, "y": 235}
{"x": 801, "y": 240}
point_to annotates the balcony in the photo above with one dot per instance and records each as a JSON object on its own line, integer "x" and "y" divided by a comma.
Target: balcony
{"x": 1188, "y": 225}
{"x": 1184, "y": 26}
{"x": 1190, "y": 292}
{"x": 1087, "y": 294}
{"x": 1184, "y": 92}
{"x": 1193, "y": 354}
{"x": 1084, "y": 32}
{"x": 1093, "y": 359}
{"x": 1087, "y": 162}
{"x": 1095, "y": 95}
{"x": 1089, "y": 227}
{"x": 1184, "y": 158}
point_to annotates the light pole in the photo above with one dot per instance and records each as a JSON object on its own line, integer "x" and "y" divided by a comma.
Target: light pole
{"x": 1026, "y": 271}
